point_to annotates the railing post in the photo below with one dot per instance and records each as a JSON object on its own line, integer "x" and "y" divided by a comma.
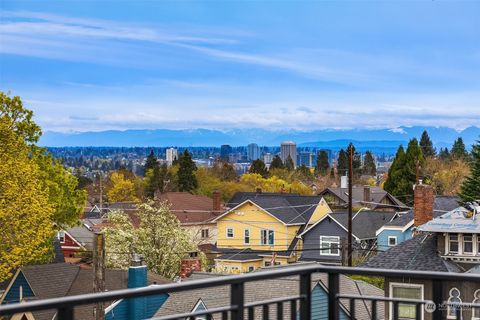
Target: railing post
{"x": 65, "y": 313}
{"x": 333, "y": 290}
{"x": 437, "y": 293}
{"x": 237, "y": 300}
{"x": 306, "y": 293}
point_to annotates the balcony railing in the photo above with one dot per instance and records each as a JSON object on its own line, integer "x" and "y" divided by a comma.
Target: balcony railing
{"x": 299, "y": 305}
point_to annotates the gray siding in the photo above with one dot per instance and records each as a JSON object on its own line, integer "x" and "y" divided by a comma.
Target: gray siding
{"x": 311, "y": 240}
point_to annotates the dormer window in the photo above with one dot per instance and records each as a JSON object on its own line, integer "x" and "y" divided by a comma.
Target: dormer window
{"x": 453, "y": 243}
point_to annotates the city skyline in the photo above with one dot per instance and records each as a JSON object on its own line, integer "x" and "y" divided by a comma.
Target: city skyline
{"x": 92, "y": 66}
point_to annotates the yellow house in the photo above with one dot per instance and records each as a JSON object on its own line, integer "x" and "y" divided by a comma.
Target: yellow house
{"x": 262, "y": 229}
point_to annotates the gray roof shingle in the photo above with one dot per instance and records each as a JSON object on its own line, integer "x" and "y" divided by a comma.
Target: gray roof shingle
{"x": 365, "y": 223}
{"x": 418, "y": 254}
{"x": 290, "y": 208}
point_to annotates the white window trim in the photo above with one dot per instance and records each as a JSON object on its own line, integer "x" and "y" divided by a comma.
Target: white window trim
{"x": 249, "y": 236}
{"x": 59, "y": 238}
{"x": 448, "y": 300}
{"x": 474, "y": 238}
{"x": 324, "y": 252}
{"x": 475, "y": 300}
{"x": 226, "y": 233}
{"x": 267, "y": 244}
{"x": 405, "y": 285}
{"x": 205, "y": 231}
{"x": 392, "y": 237}
{"x": 197, "y": 305}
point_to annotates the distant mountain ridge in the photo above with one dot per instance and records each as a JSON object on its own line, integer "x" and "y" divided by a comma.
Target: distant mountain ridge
{"x": 328, "y": 138}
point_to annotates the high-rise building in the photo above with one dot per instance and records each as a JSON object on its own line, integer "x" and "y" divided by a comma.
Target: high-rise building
{"x": 172, "y": 155}
{"x": 253, "y": 152}
{"x": 268, "y": 158}
{"x": 288, "y": 148}
{"x": 306, "y": 158}
{"x": 225, "y": 152}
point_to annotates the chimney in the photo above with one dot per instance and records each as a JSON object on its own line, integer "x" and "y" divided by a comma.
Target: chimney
{"x": 367, "y": 194}
{"x": 137, "y": 278}
{"x": 217, "y": 202}
{"x": 189, "y": 264}
{"x": 423, "y": 204}
{"x": 258, "y": 190}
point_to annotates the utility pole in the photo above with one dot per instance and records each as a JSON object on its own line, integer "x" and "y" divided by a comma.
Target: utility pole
{"x": 99, "y": 272}
{"x": 350, "y": 182}
{"x": 101, "y": 193}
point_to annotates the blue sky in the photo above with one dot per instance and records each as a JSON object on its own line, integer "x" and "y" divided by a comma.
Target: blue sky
{"x": 98, "y": 65}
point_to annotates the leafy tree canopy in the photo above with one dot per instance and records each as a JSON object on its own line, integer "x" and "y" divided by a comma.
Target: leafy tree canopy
{"x": 258, "y": 166}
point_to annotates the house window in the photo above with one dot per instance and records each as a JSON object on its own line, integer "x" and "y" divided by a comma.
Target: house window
{"x": 476, "y": 311}
{"x": 251, "y": 268}
{"x": 453, "y": 243}
{"x": 61, "y": 236}
{"x": 329, "y": 246}
{"x": 407, "y": 291}
{"x": 246, "y": 236}
{"x": 267, "y": 237}
{"x": 267, "y": 263}
{"x": 229, "y": 232}
{"x": 468, "y": 244}
{"x": 454, "y": 297}
{"x": 204, "y": 233}
{"x": 392, "y": 241}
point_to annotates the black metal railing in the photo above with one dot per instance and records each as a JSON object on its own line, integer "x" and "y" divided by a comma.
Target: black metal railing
{"x": 299, "y": 305}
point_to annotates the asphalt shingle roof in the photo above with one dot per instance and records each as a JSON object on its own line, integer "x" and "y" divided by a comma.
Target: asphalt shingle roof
{"x": 377, "y": 195}
{"x": 84, "y": 236}
{"x": 290, "y": 208}
{"x": 365, "y": 223}
{"x": 445, "y": 203}
{"x": 418, "y": 254}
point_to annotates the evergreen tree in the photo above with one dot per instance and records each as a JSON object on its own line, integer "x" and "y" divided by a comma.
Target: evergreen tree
{"x": 342, "y": 163}
{"x": 444, "y": 154}
{"x": 258, "y": 166}
{"x": 458, "y": 150}
{"x": 470, "y": 189}
{"x": 187, "y": 181}
{"x": 394, "y": 172}
{"x": 427, "y": 146}
{"x": 277, "y": 163}
{"x": 369, "y": 167}
{"x": 322, "y": 165}
{"x": 356, "y": 162}
{"x": 155, "y": 180}
{"x": 151, "y": 161}
{"x": 289, "y": 165}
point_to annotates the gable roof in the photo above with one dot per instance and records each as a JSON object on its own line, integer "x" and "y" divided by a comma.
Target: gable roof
{"x": 364, "y": 223}
{"x": 418, "y": 253}
{"x": 289, "y": 208}
{"x": 82, "y": 236}
{"x": 377, "y": 195}
{"x": 183, "y": 302}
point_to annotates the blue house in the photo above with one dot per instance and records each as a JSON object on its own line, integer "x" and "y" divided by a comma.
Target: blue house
{"x": 62, "y": 279}
{"x": 210, "y": 298}
{"x": 401, "y": 228}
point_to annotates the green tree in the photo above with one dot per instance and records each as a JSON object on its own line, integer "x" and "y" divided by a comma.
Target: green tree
{"x": 470, "y": 189}
{"x": 426, "y": 145}
{"x": 369, "y": 167}
{"x": 303, "y": 173}
{"x": 26, "y": 214}
{"x": 151, "y": 162}
{"x": 277, "y": 163}
{"x": 458, "y": 150}
{"x": 394, "y": 174}
{"x": 158, "y": 238}
{"x": 258, "y": 166}
{"x": 289, "y": 165}
{"x": 322, "y": 165}
{"x": 61, "y": 186}
{"x": 187, "y": 181}
{"x": 155, "y": 180}
{"x": 444, "y": 154}
{"x": 342, "y": 163}
{"x": 224, "y": 170}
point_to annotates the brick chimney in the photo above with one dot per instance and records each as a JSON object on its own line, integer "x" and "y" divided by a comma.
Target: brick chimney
{"x": 423, "y": 204}
{"x": 367, "y": 194}
{"x": 189, "y": 264}
{"x": 217, "y": 201}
